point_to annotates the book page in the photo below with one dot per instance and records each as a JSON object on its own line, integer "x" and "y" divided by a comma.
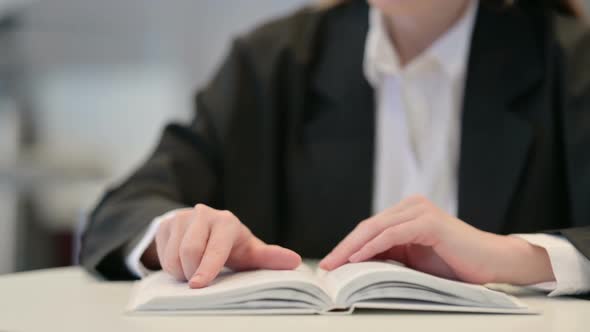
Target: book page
{"x": 373, "y": 280}
{"x": 384, "y": 284}
{"x": 335, "y": 281}
{"x": 295, "y": 288}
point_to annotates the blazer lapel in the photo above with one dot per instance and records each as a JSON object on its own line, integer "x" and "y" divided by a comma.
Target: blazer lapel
{"x": 329, "y": 133}
{"x": 347, "y": 99}
{"x": 504, "y": 64}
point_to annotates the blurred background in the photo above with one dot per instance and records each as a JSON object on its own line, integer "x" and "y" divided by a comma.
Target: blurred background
{"x": 85, "y": 88}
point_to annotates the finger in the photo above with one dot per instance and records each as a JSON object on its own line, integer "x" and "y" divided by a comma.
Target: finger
{"x": 217, "y": 251}
{"x": 162, "y": 236}
{"x": 193, "y": 245}
{"x": 275, "y": 258}
{"x": 403, "y": 234}
{"x": 171, "y": 263}
{"x": 397, "y": 253}
{"x": 256, "y": 254}
{"x": 363, "y": 233}
{"x": 414, "y": 202}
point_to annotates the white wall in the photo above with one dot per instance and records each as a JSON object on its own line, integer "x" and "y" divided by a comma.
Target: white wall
{"x": 109, "y": 73}
{"x": 103, "y": 77}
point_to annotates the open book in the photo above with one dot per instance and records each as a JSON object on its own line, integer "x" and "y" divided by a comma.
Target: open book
{"x": 375, "y": 285}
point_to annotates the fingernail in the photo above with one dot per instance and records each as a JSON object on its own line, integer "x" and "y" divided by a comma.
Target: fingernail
{"x": 196, "y": 280}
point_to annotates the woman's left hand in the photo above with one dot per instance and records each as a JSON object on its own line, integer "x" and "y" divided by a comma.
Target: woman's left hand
{"x": 423, "y": 237}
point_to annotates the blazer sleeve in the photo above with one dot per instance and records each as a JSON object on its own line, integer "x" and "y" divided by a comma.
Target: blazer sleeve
{"x": 576, "y": 130}
{"x": 184, "y": 169}
{"x": 189, "y": 163}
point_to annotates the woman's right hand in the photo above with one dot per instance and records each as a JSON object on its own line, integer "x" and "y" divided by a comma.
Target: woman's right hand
{"x": 195, "y": 244}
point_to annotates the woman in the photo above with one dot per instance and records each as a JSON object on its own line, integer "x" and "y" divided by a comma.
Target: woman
{"x": 425, "y": 130}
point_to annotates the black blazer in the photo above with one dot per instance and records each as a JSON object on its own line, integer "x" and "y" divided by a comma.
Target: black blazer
{"x": 283, "y": 136}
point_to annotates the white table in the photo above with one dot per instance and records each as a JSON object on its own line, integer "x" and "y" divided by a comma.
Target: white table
{"x": 69, "y": 300}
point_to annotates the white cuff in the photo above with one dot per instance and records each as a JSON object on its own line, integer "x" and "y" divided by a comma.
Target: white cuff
{"x": 133, "y": 258}
{"x": 570, "y": 268}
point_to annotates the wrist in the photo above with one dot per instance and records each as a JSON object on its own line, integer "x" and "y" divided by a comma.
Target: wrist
{"x": 522, "y": 263}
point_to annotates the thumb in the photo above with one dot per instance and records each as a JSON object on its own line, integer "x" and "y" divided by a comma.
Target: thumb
{"x": 259, "y": 255}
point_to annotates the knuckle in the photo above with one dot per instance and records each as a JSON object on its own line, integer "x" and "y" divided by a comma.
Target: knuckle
{"x": 429, "y": 217}
{"x": 244, "y": 229}
{"x": 201, "y": 215}
{"x": 232, "y": 218}
{"x": 225, "y": 214}
{"x": 228, "y": 220}
{"x": 430, "y": 206}
{"x": 200, "y": 209}
{"x": 419, "y": 211}
{"x": 420, "y": 199}
{"x": 182, "y": 215}
{"x": 425, "y": 223}
{"x": 173, "y": 224}
{"x": 224, "y": 220}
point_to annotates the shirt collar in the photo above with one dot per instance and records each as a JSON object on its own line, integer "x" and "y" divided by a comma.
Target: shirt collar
{"x": 450, "y": 51}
